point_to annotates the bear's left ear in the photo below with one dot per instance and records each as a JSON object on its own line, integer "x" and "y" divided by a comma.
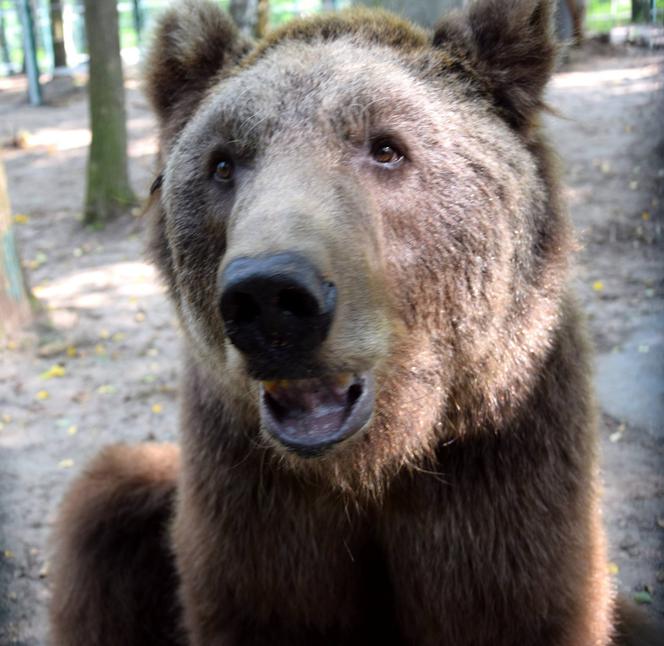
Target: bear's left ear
{"x": 511, "y": 45}
{"x": 192, "y": 42}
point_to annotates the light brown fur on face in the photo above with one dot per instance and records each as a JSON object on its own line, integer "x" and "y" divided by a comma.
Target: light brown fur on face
{"x": 465, "y": 512}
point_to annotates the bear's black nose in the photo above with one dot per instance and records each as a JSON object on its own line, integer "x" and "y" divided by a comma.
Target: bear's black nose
{"x": 276, "y": 304}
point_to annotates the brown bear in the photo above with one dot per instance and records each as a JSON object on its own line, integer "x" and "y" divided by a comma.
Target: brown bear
{"x": 387, "y": 422}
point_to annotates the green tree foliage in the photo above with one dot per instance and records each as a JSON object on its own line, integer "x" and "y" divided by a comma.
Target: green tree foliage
{"x": 641, "y": 10}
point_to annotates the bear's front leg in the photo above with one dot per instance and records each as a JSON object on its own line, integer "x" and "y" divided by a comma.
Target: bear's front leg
{"x": 113, "y": 577}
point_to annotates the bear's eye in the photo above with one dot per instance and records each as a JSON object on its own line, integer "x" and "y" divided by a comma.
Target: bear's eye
{"x": 224, "y": 170}
{"x": 386, "y": 153}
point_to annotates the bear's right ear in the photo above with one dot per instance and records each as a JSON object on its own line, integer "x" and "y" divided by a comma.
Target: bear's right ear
{"x": 511, "y": 44}
{"x": 192, "y": 43}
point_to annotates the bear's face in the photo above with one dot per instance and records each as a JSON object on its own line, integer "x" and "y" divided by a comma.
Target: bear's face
{"x": 351, "y": 231}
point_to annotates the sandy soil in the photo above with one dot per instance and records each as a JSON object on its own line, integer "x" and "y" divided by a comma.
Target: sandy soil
{"x": 109, "y": 369}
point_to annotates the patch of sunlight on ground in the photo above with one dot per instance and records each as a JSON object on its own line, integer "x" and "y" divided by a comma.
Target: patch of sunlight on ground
{"x": 99, "y": 286}
{"x": 60, "y": 138}
{"x": 606, "y": 77}
{"x": 143, "y": 146}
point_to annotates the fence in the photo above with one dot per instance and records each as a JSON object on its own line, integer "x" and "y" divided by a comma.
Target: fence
{"x": 135, "y": 16}
{"x": 601, "y": 15}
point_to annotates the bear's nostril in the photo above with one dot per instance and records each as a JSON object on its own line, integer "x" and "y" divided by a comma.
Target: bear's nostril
{"x": 297, "y": 302}
{"x": 244, "y": 309}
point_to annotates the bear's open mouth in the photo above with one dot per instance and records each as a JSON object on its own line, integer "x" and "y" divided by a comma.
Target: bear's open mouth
{"x": 308, "y": 416}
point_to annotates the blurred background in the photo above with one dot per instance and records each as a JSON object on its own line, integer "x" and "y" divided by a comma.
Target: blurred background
{"x": 89, "y": 344}
{"x": 59, "y": 29}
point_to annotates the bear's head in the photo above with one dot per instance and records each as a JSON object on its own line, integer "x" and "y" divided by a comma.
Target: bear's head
{"x": 358, "y": 223}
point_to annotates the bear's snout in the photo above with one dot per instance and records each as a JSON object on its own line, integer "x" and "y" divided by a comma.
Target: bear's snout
{"x": 276, "y": 305}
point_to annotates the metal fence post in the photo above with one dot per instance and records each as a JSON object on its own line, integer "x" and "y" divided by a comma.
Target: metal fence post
{"x": 30, "y": 52}
{"x": 138, "y": 19}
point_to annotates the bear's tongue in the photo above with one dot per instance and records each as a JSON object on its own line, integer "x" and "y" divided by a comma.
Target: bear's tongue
{"x": 307, "y": 415}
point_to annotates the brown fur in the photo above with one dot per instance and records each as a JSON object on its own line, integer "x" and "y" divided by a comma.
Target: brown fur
{"x": 466, "y": 512}
{"x": 114, "y": 576}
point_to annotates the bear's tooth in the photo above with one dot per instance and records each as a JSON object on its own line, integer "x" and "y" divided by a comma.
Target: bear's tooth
{"x": 343, "y": 380}
{"x": 270, "y": 386}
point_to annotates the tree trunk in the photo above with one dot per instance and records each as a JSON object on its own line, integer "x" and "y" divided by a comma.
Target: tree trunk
{"x": 15, "y": 309}
{"x": 109, "y": 193}
{"x": 57, "y": 33}
{"x": 577, "y": 10}
{"x": 138, "y": 19}
{"x": 4, "y": 45}
{"x": 262, "y": 18}
{"x": 245, "y": 15}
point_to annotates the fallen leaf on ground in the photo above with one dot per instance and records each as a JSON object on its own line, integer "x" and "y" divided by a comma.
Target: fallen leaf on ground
{"x": 20, "y": 218}
{"x": 40, "y": 259}
{"x": 598, "y": 285}
{"x": 67, "y": 463}
{"x": 56, "y": 370}
{"x": 613, "y": 569}
{"x": 643, "y": 597}
{"x": 22, "y": 139}
{"x": 42, "y": 395}
{"x": 106, "y": 389}
{"x": 72, "y": 430}
{"x": 156, "y": 408}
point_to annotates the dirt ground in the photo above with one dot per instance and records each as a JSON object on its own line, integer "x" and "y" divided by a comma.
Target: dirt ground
{"x": 109, "y": 369}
